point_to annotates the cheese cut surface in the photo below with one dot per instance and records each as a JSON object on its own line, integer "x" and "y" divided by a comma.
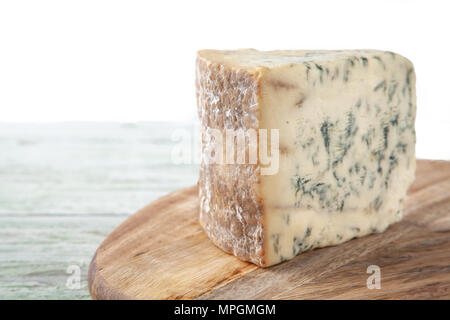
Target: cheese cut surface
{"x": 346, "y": 141}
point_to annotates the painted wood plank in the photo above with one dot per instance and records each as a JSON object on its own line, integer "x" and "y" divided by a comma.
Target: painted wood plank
{"x": 65, "y": 186}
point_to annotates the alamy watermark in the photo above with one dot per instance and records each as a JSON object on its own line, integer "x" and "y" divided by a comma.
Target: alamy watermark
{"x": 374, "y": 281}
{"x": 228, "y": 147}
{"x": 73, "y": 281}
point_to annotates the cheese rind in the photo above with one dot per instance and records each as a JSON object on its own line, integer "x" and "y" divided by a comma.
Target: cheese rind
{"x": 347, "y": 147}
{"x": 230, "y": 204}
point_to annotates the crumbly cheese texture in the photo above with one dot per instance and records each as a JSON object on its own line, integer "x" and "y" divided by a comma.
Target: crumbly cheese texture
{"x": 346, "y": 140}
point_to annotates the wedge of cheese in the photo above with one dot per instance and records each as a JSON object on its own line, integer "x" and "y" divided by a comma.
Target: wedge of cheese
{"x": 346, "y": 144}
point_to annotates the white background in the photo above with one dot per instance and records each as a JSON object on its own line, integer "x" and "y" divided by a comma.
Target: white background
{"x": 134, "y": 60}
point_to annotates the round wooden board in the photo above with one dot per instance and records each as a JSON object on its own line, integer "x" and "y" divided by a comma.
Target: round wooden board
{"x": 161, "y": 252}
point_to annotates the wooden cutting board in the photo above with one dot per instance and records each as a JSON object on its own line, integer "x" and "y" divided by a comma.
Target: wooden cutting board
{"x": 161, "y": 252}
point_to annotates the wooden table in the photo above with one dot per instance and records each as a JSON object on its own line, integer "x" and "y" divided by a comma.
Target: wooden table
{"x": 65, "y": 187}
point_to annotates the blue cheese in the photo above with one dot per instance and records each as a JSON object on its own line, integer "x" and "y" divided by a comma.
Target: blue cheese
{"x": 346, "y": 141}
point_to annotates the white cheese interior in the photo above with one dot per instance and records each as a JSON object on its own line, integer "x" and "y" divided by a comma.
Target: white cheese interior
{"x": 346, "y": 122}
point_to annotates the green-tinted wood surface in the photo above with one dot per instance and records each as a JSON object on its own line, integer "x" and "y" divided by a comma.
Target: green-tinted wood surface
{"x": 65, "y": 187}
